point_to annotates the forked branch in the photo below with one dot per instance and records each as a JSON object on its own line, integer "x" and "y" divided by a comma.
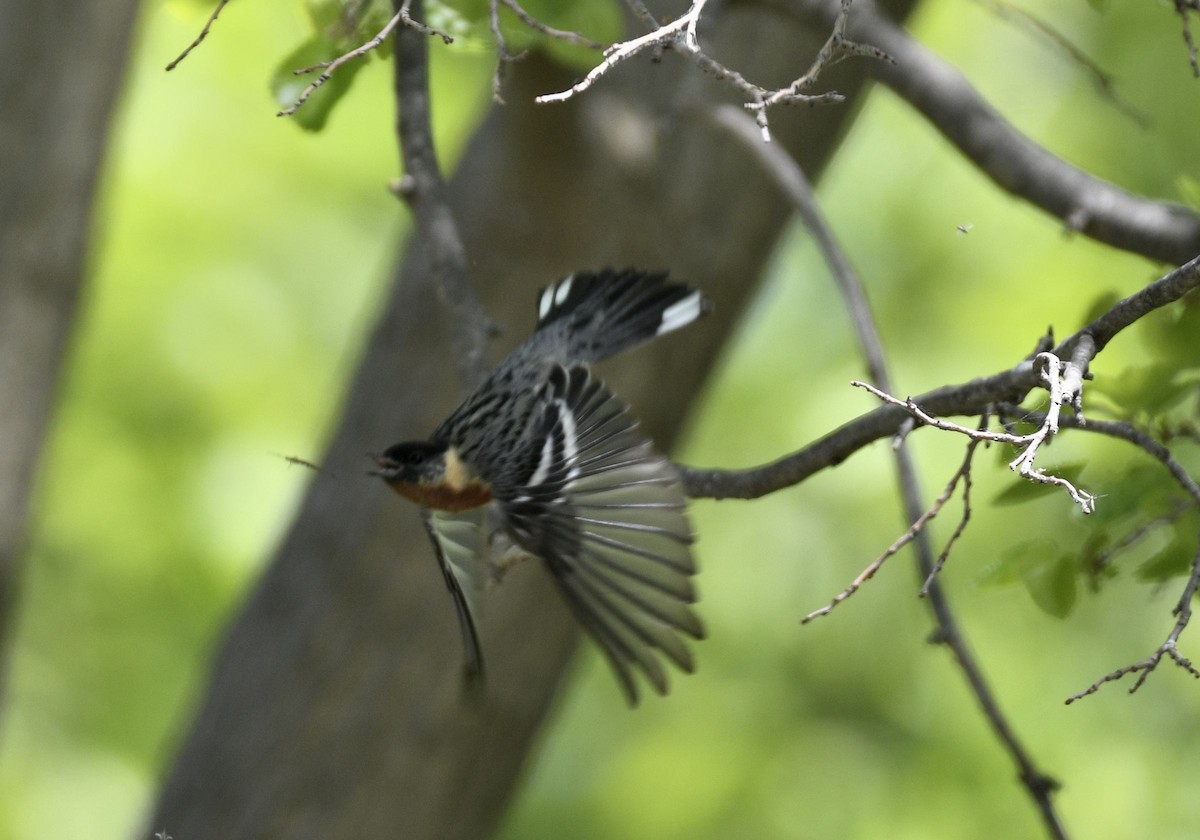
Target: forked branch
{"x": 682, "y": 35}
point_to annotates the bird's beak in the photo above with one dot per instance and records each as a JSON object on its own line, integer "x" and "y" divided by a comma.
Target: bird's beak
{"x": 387, "y": 467}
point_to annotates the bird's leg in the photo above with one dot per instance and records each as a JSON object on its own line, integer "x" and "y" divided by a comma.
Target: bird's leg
{"x": 503, "y": 553}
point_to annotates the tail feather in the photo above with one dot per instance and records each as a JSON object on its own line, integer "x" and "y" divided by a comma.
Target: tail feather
{"x": 600, "y": 314}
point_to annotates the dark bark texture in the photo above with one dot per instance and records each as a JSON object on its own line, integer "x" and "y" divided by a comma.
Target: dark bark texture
{"x": 336, "y": 708}
{"x": 67, "y": 61}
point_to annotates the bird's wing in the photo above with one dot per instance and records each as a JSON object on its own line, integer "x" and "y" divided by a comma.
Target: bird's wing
{"x": 460, "y": 543}
{"x": 608, "y": 516}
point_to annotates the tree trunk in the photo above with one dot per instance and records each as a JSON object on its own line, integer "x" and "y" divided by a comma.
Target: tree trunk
{"x": 336, "y": 708}
{"x": 66, "y": 61}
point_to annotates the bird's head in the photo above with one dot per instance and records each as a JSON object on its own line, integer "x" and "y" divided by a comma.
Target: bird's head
{"x": 433, "y": 475}
{"x": 418, "y": 462}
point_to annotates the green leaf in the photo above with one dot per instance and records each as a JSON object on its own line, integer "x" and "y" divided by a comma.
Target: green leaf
{"x": 1133, "y": 492}
{"x": 455, "y": 23}
{"x": 323, "y": 14}
{"x": 349, "y": 26}
{"x": 1189, "y": 190}
{"x": 1101, "y": 304}
{"x": 286, "y": 86}
{"x": 1173, "y": 333}
{"x": 1047, "y": 574}
{"x": 1016, "y": 561}
{"x": 1026, "y": 490}
{"x": 1052, "y": 585}
{"x": 1099, "y": 540}
{"x": 1147, "y": 390}
{"x": 1173, "y": 561}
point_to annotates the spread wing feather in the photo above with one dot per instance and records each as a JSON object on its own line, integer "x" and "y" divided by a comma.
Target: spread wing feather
{"x": 608, "y": 516}
{"x": 460, "y": 543}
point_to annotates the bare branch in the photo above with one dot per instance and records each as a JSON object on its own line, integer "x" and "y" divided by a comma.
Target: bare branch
{"x": 835, "y": 48}
{"x": 208, "y": 24}
{"x": 1023, "y": 463}
{"x": 1168, "y": 648}
{"x": 1126, "y": 432}
{"x": 1075, "y": 371}
{"x": 424, "y": 190}
{"x": 969, "y": 398}
{"x": 1102, "y": 80}
{"x": 790, "y": 177}
{"x": 503, "y": 56}
{"x": 963, "y": 473}
{"x": 682, "y": 36}
{"x": 907, "y": 537}
{"x": 549, "y": 31}
{"x": 330, "y": 67}
{"x": 1183, "y": 608}
{"x": 669, "y": 34}
{"x": 938, "y": 91}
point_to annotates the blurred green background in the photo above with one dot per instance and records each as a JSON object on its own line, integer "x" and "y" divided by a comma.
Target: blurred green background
{"x": 235, "y": 268}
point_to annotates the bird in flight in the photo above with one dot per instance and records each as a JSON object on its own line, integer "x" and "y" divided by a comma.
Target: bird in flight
{"x": 560, "y": 461}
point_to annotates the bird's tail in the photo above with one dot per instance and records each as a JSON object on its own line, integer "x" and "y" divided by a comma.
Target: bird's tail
{"x": 595, "y": 315}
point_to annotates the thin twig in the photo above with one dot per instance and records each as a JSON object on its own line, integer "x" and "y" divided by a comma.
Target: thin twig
{"x": 1183, "y": 611}
{"x": 503, "y": 56}
{"x": 1023, "y": 464}
{"x": 549, "y": 31}
{"x": 836, "y": 47}
{"x": 790, "y": 177}
{"x": 682, "y": 36}
{"x": 1101, "y": 80}
{"x": 668, "y": 34}
{"x": 208, "y": 24}
{"x": 907, "y": 537}
{"x": 1130, "y": 434}
{"x": 330, "y": 67}
{"x": 963, "y": 473}
{"x": 1183, "y": 608}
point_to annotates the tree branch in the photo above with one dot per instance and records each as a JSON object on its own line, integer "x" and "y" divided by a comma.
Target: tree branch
{"x": 1183, "y": 608}
{"x": 790, "y": 178}
{"x": 1030, "y": 443}
{"x": 401, "y": 16}
{"x": 335, "y": 698}
{"x": 208, "y": 25}
{"x": 54, "y": 129}
{"x": 423, "y": 188}
{"x": 682, "y": 36}
{"x": 1086, "y": 204}
{"x": 969, "y": 398}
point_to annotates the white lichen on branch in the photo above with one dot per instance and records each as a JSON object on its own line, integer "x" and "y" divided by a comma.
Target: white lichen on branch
{"x": 1063, "y": 387}
{"x": 682, "y": 36}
